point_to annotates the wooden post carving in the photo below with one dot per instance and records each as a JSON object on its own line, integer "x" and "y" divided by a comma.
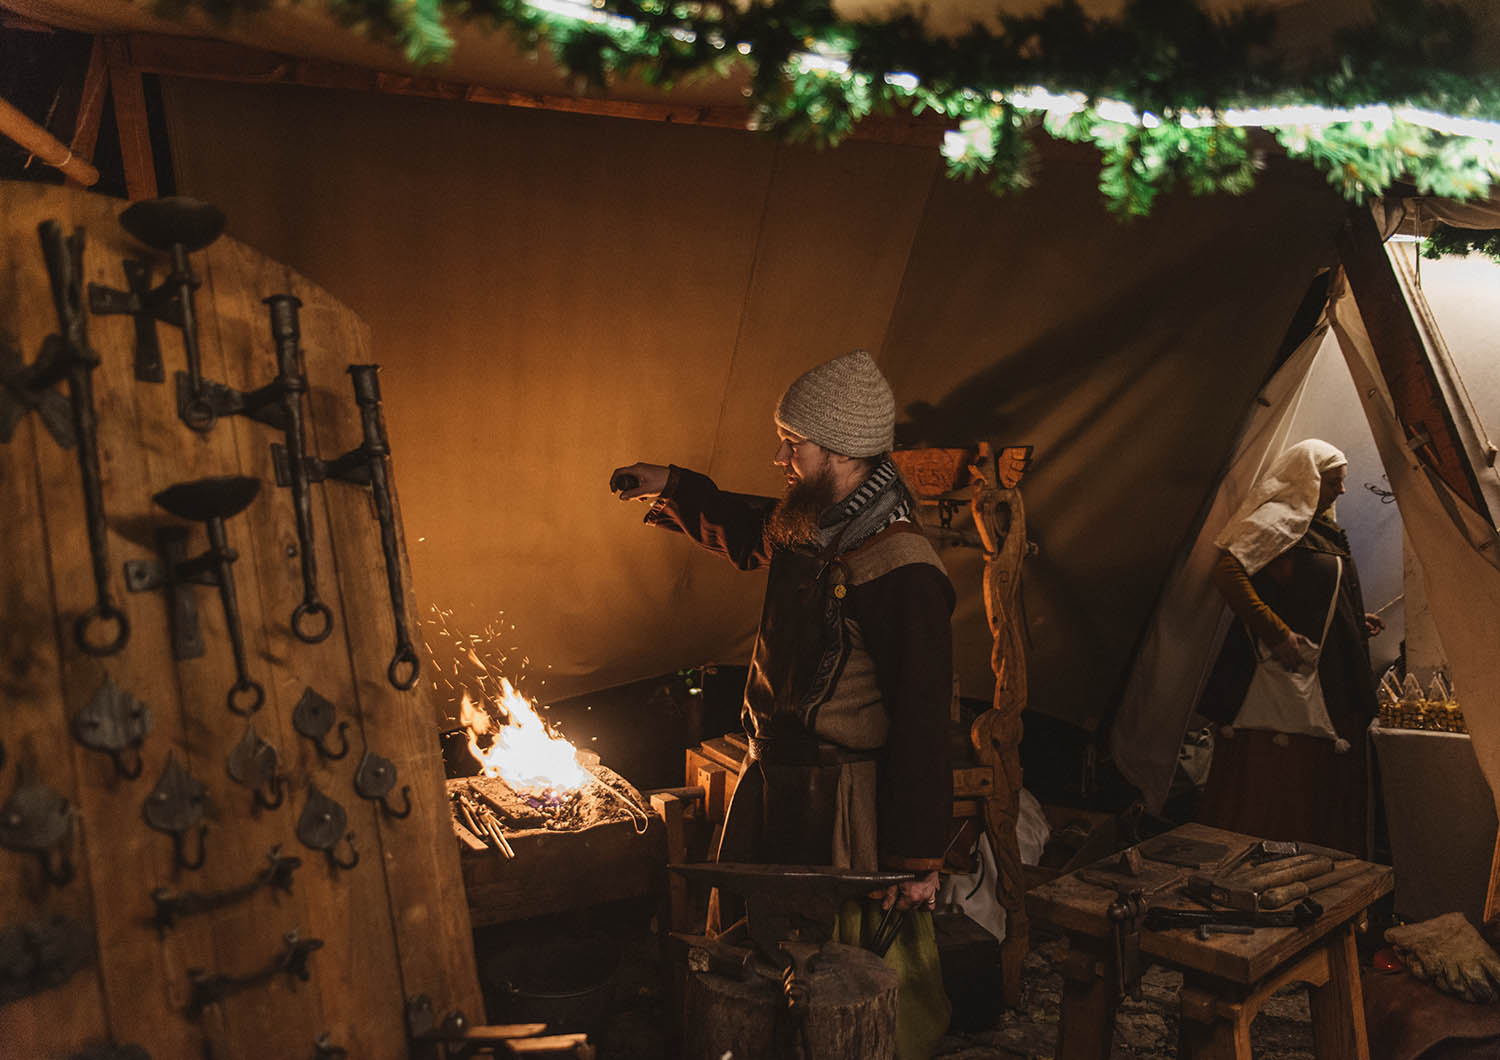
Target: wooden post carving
{"x": 1000, "y": 519}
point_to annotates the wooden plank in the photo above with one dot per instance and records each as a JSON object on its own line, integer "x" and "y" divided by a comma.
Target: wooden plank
{"x": 283, "y": 1017}
{"x": 34, "y": 721}
{"x": 1403, "y": 358}
{"x": 221, "y": 61}
{"x": 131, "y": 120}
{"x": 724, "y": 752}
{"x": 91, "y": 105}
{"x": 424, "y": 888}
{"x": 557, "y": 872}
{"x": 671, "y": 810}
{"x": 969, "y": 781}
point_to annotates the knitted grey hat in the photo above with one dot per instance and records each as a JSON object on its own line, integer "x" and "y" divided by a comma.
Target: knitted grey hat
{"x": 845, "y": 406}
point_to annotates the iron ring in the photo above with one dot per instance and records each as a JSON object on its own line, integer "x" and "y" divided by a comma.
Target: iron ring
{"x": 312, "y": 607}
{"x": 102, "y": 612}
{"x": 257, "y": 698}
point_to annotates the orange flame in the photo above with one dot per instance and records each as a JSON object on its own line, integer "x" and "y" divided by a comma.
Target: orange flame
{"x": 522, "y": 751}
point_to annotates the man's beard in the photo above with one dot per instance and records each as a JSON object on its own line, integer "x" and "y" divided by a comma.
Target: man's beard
{"x": 794, "y": 520}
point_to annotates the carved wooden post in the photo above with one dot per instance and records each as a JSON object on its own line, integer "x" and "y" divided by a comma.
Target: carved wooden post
{"x": 1000, "y": 519}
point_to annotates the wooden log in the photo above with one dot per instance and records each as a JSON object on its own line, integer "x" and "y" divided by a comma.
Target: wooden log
{"x": 851, "y": 1010}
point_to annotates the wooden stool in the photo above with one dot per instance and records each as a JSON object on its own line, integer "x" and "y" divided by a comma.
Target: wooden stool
{"x": 1226, "y": 978}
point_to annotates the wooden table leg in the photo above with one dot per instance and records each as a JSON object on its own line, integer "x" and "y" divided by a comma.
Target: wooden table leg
{"x": 1338, "y": 1006}
{"x": 1087, "y": 1024}
{"x": 1212, "y": 1029}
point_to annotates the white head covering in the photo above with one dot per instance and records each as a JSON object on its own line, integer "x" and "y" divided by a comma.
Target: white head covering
{"x": 1281, "y": 505}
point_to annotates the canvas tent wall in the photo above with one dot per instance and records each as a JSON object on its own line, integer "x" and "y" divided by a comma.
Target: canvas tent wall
{"x": 555, "y": 294}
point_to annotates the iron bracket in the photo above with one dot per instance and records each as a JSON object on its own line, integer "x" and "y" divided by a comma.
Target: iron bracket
{"x": 210, "y": 501}
{"x": 210, "y": 989}
{"x": 114, "y": 722}
{"x": 253, "y": 763}
{"x": 366, "y": 465}
{"x": 276, "y": 876}
{"x": 41, "y": 954}
{"x": 175, "y": 805}
{"x": 375, "y": 778}
{"x": 37, "y": 820}
{"x": 313, "y": 717}
{"x": 66, "y": 356}
{"x": 321, "y": 826}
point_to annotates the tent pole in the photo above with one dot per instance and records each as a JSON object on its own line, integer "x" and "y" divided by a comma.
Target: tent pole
{"x": 16, "y": 126}
{"x": 130, "y": 118}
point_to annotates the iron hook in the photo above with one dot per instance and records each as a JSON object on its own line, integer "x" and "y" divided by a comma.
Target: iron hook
{"x": 353, "y": 861}
{"x": 305, "y": 609}
{"x": 183, "y": 863}
{"x": 127, "y": 772}
{"x": 405, "y": 798}
{"x": 278, "y": 787}
{"x": 104, "y": 613}
{"x": 256, "y": 699}
{"x": 343, "y": 744}
{"x": 63, "y": 873}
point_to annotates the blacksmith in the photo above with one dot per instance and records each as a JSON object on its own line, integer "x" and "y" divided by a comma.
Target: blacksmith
{"x": 847, "y": 703}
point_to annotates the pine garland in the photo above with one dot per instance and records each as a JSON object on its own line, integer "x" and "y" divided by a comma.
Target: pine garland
{"x": 1462, "y": 242}
{"x": 1165, "y": 63}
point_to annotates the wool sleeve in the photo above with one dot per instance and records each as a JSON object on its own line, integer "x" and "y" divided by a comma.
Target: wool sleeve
{"x": 905, "y": 618}
{"x": 732, "y": 525}
{"x": 1233, "y": 582}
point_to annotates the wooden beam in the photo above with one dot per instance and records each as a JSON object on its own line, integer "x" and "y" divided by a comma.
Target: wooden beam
{"x": 91, "y": 106}
{"x": 16, "y": 126}
{"x": 220, "y": 61}
{"x": 130, "y": 118}
{"x": 1403, "y": 358}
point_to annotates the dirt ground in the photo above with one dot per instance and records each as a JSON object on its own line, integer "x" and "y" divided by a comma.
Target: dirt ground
{"x": 1144, "y": 1029}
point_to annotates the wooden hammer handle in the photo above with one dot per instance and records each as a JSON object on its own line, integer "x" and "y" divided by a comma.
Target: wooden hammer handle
{"x": 1300, "y": 868}
{"x": 1277, "y": 897}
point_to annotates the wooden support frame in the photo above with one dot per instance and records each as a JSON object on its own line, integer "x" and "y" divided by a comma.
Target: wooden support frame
{"x": 220, "y": 61}
{"x": 1404, "y": 360}
{"x": 130, "y": 117}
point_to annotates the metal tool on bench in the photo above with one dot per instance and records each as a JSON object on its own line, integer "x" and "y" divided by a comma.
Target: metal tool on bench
{"x": 1243, "y": 890}
{"x": 1276, "y": 897}
{"x": 1303, "y": 913}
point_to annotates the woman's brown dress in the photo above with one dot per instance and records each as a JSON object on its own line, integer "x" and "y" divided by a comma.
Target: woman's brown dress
{"x": 1302, "y": 791}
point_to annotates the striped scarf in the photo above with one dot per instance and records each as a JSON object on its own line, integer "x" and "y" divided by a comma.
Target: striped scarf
{"x": 878, "y": 502}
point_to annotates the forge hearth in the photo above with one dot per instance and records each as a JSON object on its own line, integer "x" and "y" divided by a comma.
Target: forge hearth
{"x": 575, "y": 851}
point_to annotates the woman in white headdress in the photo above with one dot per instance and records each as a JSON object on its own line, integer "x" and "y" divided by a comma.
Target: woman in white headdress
{"x": 1293, "y": 689}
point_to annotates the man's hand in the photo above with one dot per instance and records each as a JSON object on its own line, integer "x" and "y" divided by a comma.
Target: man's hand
{"x": 1295, "y": 653}
{"x": 1374, "y": 624}
{"x": 1448, "y": 952}
{"x": 920, "y": 893}
{"x": 649, "y": 481}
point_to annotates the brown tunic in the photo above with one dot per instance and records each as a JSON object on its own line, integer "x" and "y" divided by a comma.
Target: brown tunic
{"x": 874, "y": 728}
{"x": 1296, "y": 787}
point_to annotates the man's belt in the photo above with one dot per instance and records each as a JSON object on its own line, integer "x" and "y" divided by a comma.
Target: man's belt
{"x": 804, "y": 751}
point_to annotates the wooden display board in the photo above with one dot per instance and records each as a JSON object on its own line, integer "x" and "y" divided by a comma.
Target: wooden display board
{"x": 391, "y": 926}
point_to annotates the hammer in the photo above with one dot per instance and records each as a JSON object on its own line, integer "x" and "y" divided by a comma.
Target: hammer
{"x": 1277, "y": 897}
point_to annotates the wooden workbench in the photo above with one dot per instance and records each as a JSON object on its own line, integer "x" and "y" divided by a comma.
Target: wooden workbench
{"x": 1226, "y": 977}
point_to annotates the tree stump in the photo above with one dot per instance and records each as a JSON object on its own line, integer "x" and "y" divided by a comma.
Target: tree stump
{"x": 851, "y": 1010}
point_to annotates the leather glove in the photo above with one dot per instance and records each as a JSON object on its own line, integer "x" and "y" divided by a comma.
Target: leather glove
{"x": 1448, "y": 952}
